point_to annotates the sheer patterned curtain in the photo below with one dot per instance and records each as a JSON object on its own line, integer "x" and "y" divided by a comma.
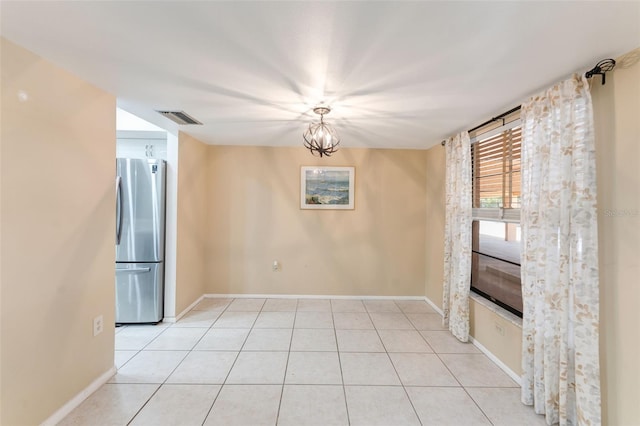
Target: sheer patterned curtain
{"x": 457, "y": 237}
{"x": 561, "y": 376}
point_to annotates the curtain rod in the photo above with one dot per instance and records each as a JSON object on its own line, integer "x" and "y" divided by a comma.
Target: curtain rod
{"x": 496, "y": 118}
{"x": 600, "y": 68}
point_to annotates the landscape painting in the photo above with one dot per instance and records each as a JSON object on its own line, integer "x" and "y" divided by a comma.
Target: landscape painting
{"x": 327, "y": 188}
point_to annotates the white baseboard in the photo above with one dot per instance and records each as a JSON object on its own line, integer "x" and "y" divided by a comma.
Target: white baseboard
{"x": 434, "y": 306}
{"x": 484, "y": 350}
{"x": 516, "y": 378}
{"x": 67, "y": 408}
{"x": 308, "y": 296}
{"x": 184, "y": 312}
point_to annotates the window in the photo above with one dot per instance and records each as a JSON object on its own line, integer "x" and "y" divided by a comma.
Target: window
{"x": 495, "y": 265}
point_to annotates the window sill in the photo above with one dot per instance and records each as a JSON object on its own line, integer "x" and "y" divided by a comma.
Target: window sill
{"x": 501, "y": 312}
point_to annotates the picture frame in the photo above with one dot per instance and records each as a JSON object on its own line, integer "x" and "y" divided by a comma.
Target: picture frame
{"x": 327, "y": 188}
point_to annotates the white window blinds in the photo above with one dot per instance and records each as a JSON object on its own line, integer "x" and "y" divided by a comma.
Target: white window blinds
{"x": 495, "y": 163}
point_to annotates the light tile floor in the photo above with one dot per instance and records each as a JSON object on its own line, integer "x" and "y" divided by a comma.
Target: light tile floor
{"x": 302, "y": 362}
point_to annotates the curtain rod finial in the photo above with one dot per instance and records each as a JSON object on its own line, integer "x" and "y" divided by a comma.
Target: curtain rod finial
{"x": 601, "y": 68}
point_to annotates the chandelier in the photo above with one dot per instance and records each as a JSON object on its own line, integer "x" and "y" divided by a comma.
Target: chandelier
{"x": 320, "y": 138}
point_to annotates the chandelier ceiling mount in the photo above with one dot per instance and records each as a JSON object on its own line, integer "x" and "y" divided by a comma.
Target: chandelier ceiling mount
{"x": 321, "y": 138}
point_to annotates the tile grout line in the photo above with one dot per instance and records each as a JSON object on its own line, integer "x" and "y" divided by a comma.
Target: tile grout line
{"x": 391, "y": 361}
{"x": 232, "y": 364}
{"x": 164, "y": 381}
{"x": 189, "y": 352}
{"x": 224, "y": 382}
{"x": 177, "y": 366}
{"x": 458, "y": 381}
{"x": 293, "y": 328}
{"x": 146, "y": 344}
{"x": 453, "y": 375}
{"x": 138, "y": 351}
{"x": 286, "y": 366}
{"x": 144, "y": 405}
{"x": 403, "y": 386}
{"x": 344, "y": 388}
{"x": 476, "y": 404}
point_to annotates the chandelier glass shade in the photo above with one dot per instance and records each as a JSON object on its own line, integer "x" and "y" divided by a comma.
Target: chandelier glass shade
{"x": 320, "y": 138}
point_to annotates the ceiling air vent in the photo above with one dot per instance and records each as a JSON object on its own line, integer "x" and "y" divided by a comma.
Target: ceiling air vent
{"x": 179, "y": 117}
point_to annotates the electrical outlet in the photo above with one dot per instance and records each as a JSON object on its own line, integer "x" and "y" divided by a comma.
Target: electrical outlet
{"x": 98, "y": 325}
{"x": 275, "y": 266}
{"x": 499, "y": 329}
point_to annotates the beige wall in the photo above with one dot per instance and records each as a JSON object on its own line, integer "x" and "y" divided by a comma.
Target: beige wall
{"x": 501, "y": 337}
{"x": 617, "y": 123}
{"x": 192, "y": 217}
{"x": 57, "y": 219}
{"x": 616, "y": 112}
{"x": 434, "y": 244}
{"x": 255, "y": 218}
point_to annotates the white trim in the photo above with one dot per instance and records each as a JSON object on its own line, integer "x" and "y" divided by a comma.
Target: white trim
{"x": 496, "y": 214}
{"x": 184, "y": 312}
{"x": 142, "y": 134}
{"x": 484, "y": 350}
{"x": 516, "y": 378}
{"x": 171, "y": 228}
{"x": 496, "y": 309}
{"x": 74, "y": 402}
{"x": 434, "y": 306}
{"x": 307, "y": 296}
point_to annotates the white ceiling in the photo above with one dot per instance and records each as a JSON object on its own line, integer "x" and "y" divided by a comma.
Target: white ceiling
{"x": 397, "y": 74}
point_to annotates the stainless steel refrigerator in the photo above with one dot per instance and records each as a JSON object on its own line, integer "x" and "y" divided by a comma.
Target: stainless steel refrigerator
{"x": 140, "y": 219}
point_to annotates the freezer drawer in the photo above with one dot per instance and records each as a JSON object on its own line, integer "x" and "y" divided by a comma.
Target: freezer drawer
{"x": 139, "y": 292}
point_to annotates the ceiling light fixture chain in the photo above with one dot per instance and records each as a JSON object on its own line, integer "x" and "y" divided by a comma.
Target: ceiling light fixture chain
{"x": 321, "y": 138}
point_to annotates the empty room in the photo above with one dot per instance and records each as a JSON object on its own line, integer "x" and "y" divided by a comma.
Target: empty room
{"x": 319, "y": 213}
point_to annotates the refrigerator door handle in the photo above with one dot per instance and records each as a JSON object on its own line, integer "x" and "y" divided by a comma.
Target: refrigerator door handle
{"x": 118, "y": 209}
{"x": 134, "y": 270}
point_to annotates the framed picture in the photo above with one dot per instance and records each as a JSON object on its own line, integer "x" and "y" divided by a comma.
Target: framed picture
{"x": 327, "y": 188}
